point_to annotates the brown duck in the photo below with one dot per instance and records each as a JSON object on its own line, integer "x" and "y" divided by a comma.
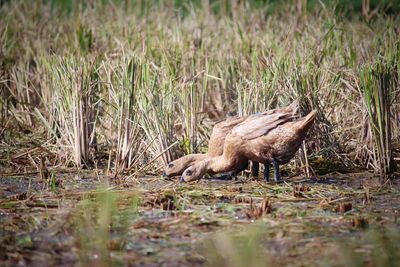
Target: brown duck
{"x": 264, "y": 138}
{"x": 215, "y": 147}
{"x": 217, "y": 140}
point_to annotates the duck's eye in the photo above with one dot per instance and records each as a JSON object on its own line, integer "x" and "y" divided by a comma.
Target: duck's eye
{"x": 170, "y": 165}
{"x": 189, "y": 172}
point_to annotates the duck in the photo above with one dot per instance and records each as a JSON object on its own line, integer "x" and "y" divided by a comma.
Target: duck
{"x": 267, "y": 138}
{"x": 215, "y": 147}
{"x": 217, "y": 141}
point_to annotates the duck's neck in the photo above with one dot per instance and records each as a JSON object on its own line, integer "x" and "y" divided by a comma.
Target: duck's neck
{"x": 193, "y": 158}
{"x": 217, "y": 165}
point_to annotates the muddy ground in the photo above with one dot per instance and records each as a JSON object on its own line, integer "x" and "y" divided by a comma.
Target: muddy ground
{"x": 83, "y": 218}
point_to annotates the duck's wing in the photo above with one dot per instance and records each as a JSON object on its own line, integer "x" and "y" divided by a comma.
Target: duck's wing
{"x": 260, "y": 125}
{"x": 229, "y": 123}
{"x": 290, "y": 109}
{"x": 269, "y": 117}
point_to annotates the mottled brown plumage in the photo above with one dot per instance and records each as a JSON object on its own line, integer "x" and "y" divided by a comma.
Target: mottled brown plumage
{"x": 217, "y": 140}
{"x": 264, "y": 138}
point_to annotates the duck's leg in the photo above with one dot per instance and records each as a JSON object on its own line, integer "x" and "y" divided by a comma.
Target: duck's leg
{"x": 276, "y": 170}
{"x": 266, "y": 171}
{"x": 255, "y": 168}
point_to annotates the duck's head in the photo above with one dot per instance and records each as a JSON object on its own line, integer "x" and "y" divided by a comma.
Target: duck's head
{"x": 194, "y": 172}
{"x": 175, "y": 168}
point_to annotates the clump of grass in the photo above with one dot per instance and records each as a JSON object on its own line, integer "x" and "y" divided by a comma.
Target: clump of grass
{"x": 69, "y": 91}
{"x": 377, "y": 85}
{"x": 257, "y": 211}
{"x": 20, "y": 94}
{"x": 123, "y": 80}
{"x": 158, "y": 108}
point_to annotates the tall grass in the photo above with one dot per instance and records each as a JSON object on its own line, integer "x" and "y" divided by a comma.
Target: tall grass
{"x": 145, "y": 83}
{"x": 378, "y": 84}
{"x": 21, "y": 85}
{"x": 69, "y": 91}
{"x": 122, "y": 82}
{"x": 157, "y": 106}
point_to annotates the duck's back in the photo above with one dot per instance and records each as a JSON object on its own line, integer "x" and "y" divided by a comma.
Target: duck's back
{"x": 249, "y": 127}
{"x": 258, "y": 126}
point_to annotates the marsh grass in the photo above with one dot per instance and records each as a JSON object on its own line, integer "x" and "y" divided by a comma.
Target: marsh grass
{"x": 21, "y": 85}
{"x": 157, "y": 104}
{"x": 123, "y": 83}
{"x": 378, "y": 84}
{"x": 70, "y": 106}
{"x": 143, "y": 84}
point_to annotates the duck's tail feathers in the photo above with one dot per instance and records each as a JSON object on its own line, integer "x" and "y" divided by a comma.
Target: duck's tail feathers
{"x": 292, "y": 108}
{"x": 308, "y": 120}
{"x": 294, "y": 105}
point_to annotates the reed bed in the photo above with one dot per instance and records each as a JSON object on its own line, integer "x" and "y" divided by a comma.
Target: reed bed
{"x": 129, "y": 86}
